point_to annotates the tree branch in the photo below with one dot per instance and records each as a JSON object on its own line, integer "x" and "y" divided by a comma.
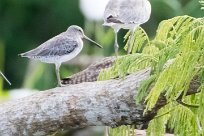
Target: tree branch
{"x": 98, "y": 103}
{"x": 101, "y": 103}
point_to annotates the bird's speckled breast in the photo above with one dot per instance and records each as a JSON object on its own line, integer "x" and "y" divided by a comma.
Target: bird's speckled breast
{"x": 74, "y": 53}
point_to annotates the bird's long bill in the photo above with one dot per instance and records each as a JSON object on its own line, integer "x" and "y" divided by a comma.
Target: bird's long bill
{"x": 87, "y": 38}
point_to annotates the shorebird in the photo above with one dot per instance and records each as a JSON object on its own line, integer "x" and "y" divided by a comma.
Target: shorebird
{"x": 126, "y": 14}
{"x": 60, "y": 48}
{"x": 5, "y": 78}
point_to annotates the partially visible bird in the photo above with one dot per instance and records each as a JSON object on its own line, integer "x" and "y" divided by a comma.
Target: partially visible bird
{"x": 5, "y": 78}
{"x": 60, "y": 48}
{"x": 126, "y": 14}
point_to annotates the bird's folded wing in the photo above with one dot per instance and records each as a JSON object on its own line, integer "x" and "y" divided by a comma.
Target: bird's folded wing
{"x": 134, "y": 11}
{"x": 111, "y": 11}
{"x": 58, "y": 46}
{"x": 112, "y": 19}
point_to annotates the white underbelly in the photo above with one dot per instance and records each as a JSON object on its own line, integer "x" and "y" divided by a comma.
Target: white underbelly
{"x": 121, "y": 26}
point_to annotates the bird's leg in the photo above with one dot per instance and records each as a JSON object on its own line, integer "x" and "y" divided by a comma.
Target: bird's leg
{"x": 129, "y": 41}
{"x": 57, "y": 68}
{"x": 116, "y": 46}
{"x": 106, "y": 131}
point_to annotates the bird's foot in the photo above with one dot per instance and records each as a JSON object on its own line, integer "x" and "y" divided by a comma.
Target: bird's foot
{"x": 61, "y": 85}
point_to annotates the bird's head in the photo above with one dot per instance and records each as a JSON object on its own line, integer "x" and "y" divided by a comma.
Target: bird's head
{"x": 78, "y": 31}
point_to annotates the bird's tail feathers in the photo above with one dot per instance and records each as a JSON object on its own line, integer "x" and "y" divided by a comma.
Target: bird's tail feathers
{"x": 28, "y": 54}
{"x": 23, "y": 54}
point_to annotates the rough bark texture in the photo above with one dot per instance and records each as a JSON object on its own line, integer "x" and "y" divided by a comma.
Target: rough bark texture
{"x": 105, "y": 103}
{"x": 91, "y": 73}
{"x": 108, "y": 103}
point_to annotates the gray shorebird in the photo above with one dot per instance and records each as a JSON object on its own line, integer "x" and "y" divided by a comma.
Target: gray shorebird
{"x": 5, "y": 78}
{"x": 126, "y": 14}
{"x": 60, "y": 48}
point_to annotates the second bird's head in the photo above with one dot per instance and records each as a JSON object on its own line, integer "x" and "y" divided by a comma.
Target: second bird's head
{"x": 76, "y": 30}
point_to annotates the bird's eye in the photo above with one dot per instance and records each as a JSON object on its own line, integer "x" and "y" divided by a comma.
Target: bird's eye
{"x": 80, "y": 30}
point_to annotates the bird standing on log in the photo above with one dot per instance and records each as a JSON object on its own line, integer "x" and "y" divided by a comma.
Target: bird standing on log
{"x": 60, "y": 48}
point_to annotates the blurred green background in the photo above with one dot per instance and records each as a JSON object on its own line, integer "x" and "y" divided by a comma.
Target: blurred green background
{"x": 25, "y": 24}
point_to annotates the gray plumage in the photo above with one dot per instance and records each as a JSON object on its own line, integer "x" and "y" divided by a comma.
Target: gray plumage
{"x": 52, "y": 50}
{"x": 126, "y": 14}
{"x": 60, "y": 48}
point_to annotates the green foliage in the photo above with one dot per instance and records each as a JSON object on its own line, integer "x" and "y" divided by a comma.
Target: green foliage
{"x": 128, "y": 64}
{"x": 161, "y": 121}
{"x": 176, "y": 57}
{"x": 3, "y": 93}
{"x": 183, "y": 121}
{"x": 185, "y": 40}
{"x": 1, "y": 66}
{"x": 141, "y": 43}
{"x": 122, "y": 131}
{"x": 180, "y": 119}
{"x": 201, "y": 110}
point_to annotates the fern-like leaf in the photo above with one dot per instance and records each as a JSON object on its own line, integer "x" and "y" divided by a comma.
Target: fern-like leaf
{"x": 139, "y": 40}
{"x": 176, "y": 57}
